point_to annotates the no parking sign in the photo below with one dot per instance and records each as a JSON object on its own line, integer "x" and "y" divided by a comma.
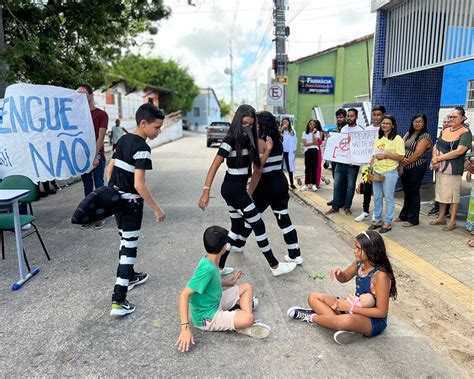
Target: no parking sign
{"x": 275, "y": 95}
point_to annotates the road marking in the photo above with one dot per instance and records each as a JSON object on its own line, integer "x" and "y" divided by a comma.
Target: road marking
{"x": 459, "y": 291}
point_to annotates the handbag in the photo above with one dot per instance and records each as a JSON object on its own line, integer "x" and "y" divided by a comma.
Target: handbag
{"x": 372, "y": 177}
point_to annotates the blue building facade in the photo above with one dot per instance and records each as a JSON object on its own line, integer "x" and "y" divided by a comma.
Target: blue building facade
{"x": 456, "y": 84}
{"x": 205, "y": 109}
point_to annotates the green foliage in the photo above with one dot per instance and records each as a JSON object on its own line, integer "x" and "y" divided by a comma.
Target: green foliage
{"x": 139, "y": 71}
{"x": 68, "y": 42}
{"x": 225, "y": 108}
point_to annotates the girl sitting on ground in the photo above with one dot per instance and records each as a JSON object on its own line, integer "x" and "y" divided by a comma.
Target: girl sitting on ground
{"x": 374, "y": 275}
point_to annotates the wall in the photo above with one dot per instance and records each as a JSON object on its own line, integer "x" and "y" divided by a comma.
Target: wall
{"x": 209, "y": 110}
{"x": 348, "y": 66}
{"x": 456, "y": 76}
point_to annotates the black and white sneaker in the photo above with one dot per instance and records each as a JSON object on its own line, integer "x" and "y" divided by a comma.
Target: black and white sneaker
{"x": 121, "y": 308}
{"x": 302, "y": 314}
{"x": 140, "y": 278}
{"x": 343, "y": 337}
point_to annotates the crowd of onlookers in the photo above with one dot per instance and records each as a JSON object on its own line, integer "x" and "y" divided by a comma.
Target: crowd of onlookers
{"x": 396, "y": 159}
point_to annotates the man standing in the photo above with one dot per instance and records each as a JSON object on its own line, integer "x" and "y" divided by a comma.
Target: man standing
{"x": 378, "y": 111}
{"x": 346, "y": 174}
{"x": 100, "y": 119}
{"x": 117, "y": 132}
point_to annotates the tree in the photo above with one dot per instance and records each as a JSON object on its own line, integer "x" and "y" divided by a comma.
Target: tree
{"x": 225, "y": 108}
{"x": 139, "y": 71}
{"x": 68, "y": 42}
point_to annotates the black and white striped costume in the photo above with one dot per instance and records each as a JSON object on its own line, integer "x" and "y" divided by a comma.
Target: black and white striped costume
{"x": 243, "y": 213}
{"x": 132, "y": 152}
{"x": 272, "y": 191}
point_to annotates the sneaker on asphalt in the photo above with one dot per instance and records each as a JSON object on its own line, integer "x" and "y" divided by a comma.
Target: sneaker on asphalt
{"x": 99, "y": 224}
{"x": 234, "y": 249}
{"x": 343, "y": 337}
{"x": 304, "y": 188}
{"x": 26, "y": 227}
{"x": 302, "y": 314}
{"x": 257, "y": 330}
{"x": 314, "y": 188}
{"x": 283, "y": 268}
{"x": 227, "y": 270}
{"x": 140, "y": 278}
{"x": 298, "y": 260}
{"x": 363, "y": 216}
{"x": 433, "y": 211}
{"x": 121, "y": 308}
{"x": 255, "y": 302}
{"x": 85, "y": 226}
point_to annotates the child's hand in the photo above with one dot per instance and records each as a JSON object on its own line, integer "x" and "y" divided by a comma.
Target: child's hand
{"x": 268, "y": 144}
{"x": 160, "y": 214}
{"x": 335, "y": 272}
{"x": 204, "y": 200}
{"x": 343, "y": 305}
{"x": 185, "y": 339}
{"x": 237, "y": 276}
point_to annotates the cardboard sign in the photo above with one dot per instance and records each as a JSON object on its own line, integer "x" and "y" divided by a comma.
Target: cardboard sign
{"x": 46, "y": 133}
{"x": 337, "y": 148}
{"x": 362, "y": 146}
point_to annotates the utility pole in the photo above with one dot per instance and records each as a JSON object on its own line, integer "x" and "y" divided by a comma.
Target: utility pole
{"x": 230, "y": 71}
{"x": 281, "y": 59}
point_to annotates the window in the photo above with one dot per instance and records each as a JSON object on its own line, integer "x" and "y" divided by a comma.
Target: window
{"x": 109, "y": 98}
{"x": 470, "y": 95}
{"x": 196, "y": 112}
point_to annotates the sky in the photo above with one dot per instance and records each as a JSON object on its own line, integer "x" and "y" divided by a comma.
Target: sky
{"x": 199, "y": 37}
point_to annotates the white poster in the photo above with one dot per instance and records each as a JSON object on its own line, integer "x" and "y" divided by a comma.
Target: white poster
{"x": 361, "y": 146}
{"x": 275, "y": 93}
{"x": 46, "y": 133}
{"x": 337, "y": 148}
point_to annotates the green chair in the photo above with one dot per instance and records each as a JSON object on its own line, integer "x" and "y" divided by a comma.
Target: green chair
{"x": 6, "y": 219}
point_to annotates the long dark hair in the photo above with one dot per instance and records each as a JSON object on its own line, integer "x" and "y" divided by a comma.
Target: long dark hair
{"x": 412, "y": 128}
{"x": 236, "y": 132}
{"x": 290, "y": 127}
{"x": 373, "y": 246}
{"x": 267, "y": 126}
{"x": 317, "y": 126}
{"x": 393, "y": 133}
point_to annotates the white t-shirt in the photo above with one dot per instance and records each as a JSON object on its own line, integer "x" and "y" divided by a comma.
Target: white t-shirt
{"x": 372, "y": 127}
{"x": 289, "y": 141}
{"x": 352, "y": 129}
{"x": 309, "y": 139}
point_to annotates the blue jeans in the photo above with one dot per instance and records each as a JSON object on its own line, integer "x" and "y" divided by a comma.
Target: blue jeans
{"x": 385, "y": 189}
{"x": 95, "y": 177}
{"x": 344, "y": 185}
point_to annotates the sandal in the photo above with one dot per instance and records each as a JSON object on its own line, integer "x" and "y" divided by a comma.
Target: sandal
{"x": 470, "y": 242}
{"x": 438, "y": 222}
{"x": 408, "y": 224}
{"x": 383, "y": 229}
{"x": 374, "y": 226}
{"x": 448, "y": 228}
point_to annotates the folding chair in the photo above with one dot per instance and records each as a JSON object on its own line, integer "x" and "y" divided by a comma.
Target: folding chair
{"x": 6, "y": 219}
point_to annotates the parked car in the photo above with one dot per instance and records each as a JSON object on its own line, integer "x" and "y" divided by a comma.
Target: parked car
{"x": 186, "y": 125}
{"x": 216, "y": 132}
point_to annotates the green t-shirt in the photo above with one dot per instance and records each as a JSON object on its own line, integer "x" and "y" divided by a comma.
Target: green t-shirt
{"x": 207, "y": 286}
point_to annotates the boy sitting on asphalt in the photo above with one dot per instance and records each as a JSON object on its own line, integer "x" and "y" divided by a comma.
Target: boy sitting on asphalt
{"x": 211, "y": 308}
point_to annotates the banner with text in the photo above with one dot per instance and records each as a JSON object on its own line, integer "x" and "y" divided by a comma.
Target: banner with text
{"x": 46, "y": 133}
{"x": 357, "y": 149}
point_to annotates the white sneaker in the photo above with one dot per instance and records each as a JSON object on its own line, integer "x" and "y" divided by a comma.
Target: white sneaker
{"x": 314, "y": 188}
{"x": 236, "y": 249}
{"x": 343, "y": 337}
{"x": 298, "y": 260}
{"x": 363, "y": 216}
{"x": 227, "y": 270}
{"x": 26, "y": 227}
{"x": 283, "y": 268}
{"x": 304, "y": 188}
{"x": 257, "y": 330}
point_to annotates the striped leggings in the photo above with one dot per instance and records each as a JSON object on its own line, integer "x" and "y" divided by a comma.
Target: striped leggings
{"x": 129, "y": 222}
{"x": 244, "y": 218}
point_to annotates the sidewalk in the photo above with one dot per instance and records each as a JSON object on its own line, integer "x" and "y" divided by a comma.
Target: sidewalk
{"x": 441, "y": 258}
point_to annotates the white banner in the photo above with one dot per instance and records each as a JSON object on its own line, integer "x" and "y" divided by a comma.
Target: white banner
{"x": 46, "y": 133}
{"x": 337, "y": 148}
{"x": 358, "y": 150}
{"x": 362, "y": 146}
{"x": 275, "y": 94}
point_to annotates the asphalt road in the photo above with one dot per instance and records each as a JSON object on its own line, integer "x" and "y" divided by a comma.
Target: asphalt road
{"x": 59, "y": 323}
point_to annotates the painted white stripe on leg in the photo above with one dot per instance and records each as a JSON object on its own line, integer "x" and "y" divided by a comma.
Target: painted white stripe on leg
{"x": 122, "y": 282}
{"x": 234, "y": 215}
{"x": 254, "y": 218}
{"x": 242, "y": 238}
{"x": 128, "y": 244}
{"x": 247, "y": 225}
{"x": 233, "y": 235}
{"x": 292, "y": 246}
{"x": 249, "y": 207}
{"x": 289, "y": 229}
{"x": 131, "y": 234}
{"x": 124, "y": 260}
{"x": 261, "y": 237}
{"x": 266, "y": 248}
{"x": 282, "y": 212}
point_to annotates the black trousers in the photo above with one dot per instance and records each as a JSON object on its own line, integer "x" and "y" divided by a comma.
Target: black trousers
{"x": 411, "y": 182}
{"x": 129, "y": 222}
{"x": 367, "y": 196}
{"x": 287, "y": 163}
{"x": 244, "y": 218}
{"x": 310, "y": 166}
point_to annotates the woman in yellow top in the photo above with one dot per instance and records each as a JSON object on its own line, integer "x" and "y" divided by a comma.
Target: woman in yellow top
{"x": 389, "y": 150}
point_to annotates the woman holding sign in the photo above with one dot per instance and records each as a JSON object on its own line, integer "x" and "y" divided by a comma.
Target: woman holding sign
{"x": 389, "y": 151}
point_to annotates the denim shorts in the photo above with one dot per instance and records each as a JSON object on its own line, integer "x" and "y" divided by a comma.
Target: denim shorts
{"x": 378, "y": 325}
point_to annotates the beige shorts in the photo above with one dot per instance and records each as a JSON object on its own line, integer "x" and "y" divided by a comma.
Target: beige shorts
{"x": 448, "y": 188}
{"x": 223, "y": 319}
